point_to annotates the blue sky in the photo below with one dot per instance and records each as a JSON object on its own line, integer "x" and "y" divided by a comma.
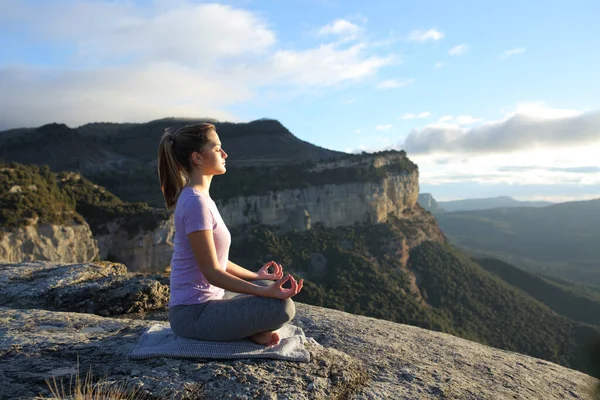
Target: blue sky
{"x": 489, "y": 98}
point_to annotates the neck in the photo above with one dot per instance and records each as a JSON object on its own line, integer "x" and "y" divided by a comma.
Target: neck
{"x": 200, "y": 182}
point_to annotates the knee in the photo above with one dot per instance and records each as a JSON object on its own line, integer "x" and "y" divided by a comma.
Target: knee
{"x": 288, "y": 311}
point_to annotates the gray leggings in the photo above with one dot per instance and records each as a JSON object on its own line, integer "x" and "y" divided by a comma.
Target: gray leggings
{"x": 234, "y": 317}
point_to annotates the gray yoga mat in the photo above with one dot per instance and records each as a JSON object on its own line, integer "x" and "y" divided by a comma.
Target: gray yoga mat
{"x": 160, "y": 341}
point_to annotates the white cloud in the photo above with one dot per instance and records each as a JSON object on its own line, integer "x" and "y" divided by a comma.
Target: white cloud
{"x": 512, "y": 52}
{"x": 340, "y": 27}
{"x": 541, "y": 110}
{"x": 424, "y": 114}
{"x": 134, "y": 63}
{"x": 349, "y": 101}
{"x": 459, "y": 119}
{"x": 118, "y": 94}
{"x": 438, "y": 65}
{"x": 459, "y": 50}
{"x": 385, "y": 127}
{"x": 394, "y": 83}
{"x": 184, "y": 32}
{"x": 323, "y": 66}
{"x": 357, "y": 130}
{"x": 527, "y": 127}
{"x": 422, "y": 36}
{"x": 533, "y": 168}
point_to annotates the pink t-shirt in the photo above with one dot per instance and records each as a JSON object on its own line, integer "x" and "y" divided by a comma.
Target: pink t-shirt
{"x": 195, "y": 211}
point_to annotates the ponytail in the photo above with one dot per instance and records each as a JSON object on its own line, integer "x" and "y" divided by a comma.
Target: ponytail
{"x": 174, "y": 150}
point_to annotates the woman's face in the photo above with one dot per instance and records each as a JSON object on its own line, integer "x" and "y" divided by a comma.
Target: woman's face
{"x": 213, "y": 157}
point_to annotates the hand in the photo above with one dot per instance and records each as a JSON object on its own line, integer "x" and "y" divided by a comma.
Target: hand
{"x": 277, "y": 291}
{"x": 264, "y": 273}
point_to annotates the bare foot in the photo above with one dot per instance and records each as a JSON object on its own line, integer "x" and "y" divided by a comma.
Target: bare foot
{"x": 266, "y": 338}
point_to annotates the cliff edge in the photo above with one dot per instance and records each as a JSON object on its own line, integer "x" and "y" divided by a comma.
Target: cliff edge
{"x": 361, "y": 357}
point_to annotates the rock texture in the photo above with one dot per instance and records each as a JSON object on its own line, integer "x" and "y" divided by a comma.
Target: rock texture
{"x": 101, "y": 288}
{"x": 427, "y": 201}
{"x": 36, "y": 345}
{"x": 361, "y": 357}
{"x": 146, "y": 251}
{"x": 65, "y": 243}
{"x": 331, "y": 205}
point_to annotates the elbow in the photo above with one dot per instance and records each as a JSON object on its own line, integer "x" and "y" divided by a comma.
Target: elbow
{"x": 212, "y": 276}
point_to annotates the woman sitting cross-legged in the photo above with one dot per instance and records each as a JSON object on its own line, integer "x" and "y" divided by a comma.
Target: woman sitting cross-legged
{"x": 188, "y": 158}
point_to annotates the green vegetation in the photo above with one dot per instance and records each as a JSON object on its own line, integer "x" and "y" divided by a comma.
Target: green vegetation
{"x": 560, "y": 240}
{"x": 574, "y": 301}
{"x": 361, "y": 276}
{"x": 485, "y": 308}
{"x": 99, "y": 206}
{"x": 28, "y": 192}
{"x": 364, "y": 275}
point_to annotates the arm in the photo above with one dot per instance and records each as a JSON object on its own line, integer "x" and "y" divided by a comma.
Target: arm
{"x": 203, "y": 246}
{"x": 241, "y": 272}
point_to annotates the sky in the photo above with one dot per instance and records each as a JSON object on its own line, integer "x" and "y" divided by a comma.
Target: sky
{"x": 489, "y": 98}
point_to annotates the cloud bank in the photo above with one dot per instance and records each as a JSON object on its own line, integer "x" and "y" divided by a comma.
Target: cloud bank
{"x": 515, "y": 133}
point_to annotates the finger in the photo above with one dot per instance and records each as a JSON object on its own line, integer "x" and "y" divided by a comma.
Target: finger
{"x": 300, "y": 284}
{"x": 278, "y": 268}
{"x": 294, "y": 285}
{"x": 269, "y": 264}
{"x": 265, "y": 268}
{"x": 283, "y": 280}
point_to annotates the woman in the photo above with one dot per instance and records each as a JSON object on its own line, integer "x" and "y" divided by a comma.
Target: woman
{"x": 188, "y": 158}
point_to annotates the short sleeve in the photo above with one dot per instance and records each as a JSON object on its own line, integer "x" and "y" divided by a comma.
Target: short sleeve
{"x": 197, "y": 215}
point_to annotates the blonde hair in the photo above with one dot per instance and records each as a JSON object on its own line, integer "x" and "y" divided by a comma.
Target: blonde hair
{"x": 174, "y": 151}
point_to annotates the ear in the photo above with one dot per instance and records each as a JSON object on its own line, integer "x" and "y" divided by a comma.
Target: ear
{"x": 197, "y": 158}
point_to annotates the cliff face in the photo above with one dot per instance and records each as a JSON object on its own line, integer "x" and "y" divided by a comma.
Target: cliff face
{"x": 332, "y": 205}
{"x": 65, "y": 243}
{"x": 146, "y": 251}
{"x": 427, "y": 201}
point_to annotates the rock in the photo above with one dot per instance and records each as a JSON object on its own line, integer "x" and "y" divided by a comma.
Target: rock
{"x": 30, "y": 355}
{"x": 65, "y": 243}
{"x": 332, "y": 205}
{"x": 427, "y": 201}
{"x": 362, "y": 357}
{"x": 146, "y": 251}
{"x": 407, "y": 362}
{"x": 101, "y": 288}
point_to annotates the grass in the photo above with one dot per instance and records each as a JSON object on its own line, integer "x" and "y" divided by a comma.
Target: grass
{"x": 87, "y": 389}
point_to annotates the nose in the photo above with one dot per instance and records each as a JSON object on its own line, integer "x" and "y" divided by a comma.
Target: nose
{"x": 224, "y": 154}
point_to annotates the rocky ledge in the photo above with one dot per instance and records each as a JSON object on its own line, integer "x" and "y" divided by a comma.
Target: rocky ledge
{"x": 361, "y": 357}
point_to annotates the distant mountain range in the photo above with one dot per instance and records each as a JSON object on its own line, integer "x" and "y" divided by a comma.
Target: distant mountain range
{"x": 560, "y": 239}
{"x": 429, "y": 203}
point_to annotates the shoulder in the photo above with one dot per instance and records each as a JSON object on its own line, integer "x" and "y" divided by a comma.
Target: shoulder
{"x": 196, "y": 202}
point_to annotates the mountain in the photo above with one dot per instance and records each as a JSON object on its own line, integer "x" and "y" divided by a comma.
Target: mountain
{"x": 431, "y": 285}
{"x": 560, "y": 239}
{"x": 122, "y": 157}
{"x": 488, "y": 203}
{"x": 427, "y": 201}
{"x": 380, "y": 255}
{"x": 575, "y": 301}
{"x": 109, "y": 146}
